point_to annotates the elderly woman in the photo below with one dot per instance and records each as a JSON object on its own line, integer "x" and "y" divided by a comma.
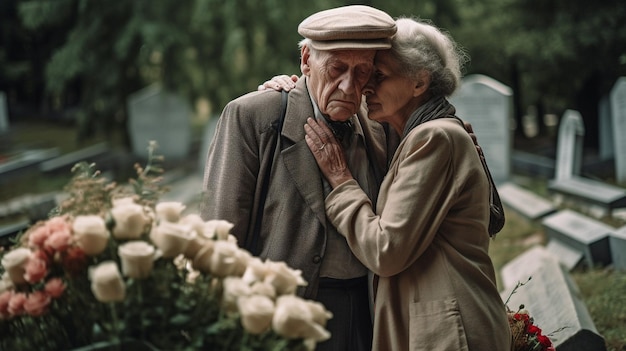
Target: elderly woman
{"x": 426, "y": 238}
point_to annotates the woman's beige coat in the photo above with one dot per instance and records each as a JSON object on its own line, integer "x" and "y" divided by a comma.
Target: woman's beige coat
{"x": 428, "y": 243}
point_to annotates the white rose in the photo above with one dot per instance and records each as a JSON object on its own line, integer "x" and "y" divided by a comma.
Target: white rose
{"x": 202, "y": 260}
{"x": 195, "y": 222}
{"x": 284, "y": 279}
{"x": 263, "y": 288}
{"x": 137, "y": 259}
{"x": 106, "y": 282}
{"x": 6, "y": 283}
{"x": 91, "y": 234}
{"x": 14, "y": 264}
{"x": 224, "y": 260}
{"x": 194, "y": 246}
{"x": 130, "y": 220}
{"x": 172, "y": 238}
{"x": 255, "y": 271}
{"x": 218, "y": 229}
{"x": 242, "y": 257}
{"x": 234, "y": 288}
{"x": 293, "y": 319}
{"x": 169, "y": 211}
{"x": 256, "y": 313}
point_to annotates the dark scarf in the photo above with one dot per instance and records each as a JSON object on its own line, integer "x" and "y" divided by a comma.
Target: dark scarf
{"x": 437, "y": 107}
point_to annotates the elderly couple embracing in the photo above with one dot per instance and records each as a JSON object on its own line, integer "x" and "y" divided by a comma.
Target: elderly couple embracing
{"x": 370, "y": 186}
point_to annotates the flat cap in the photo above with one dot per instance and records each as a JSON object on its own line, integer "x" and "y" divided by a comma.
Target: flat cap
{"x": 355, "y": 27}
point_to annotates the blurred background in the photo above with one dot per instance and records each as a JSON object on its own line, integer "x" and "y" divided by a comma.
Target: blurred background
{"x": 71, "y": 71}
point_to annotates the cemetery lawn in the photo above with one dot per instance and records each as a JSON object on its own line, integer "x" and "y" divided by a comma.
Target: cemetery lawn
{"x": 602, "y": 289}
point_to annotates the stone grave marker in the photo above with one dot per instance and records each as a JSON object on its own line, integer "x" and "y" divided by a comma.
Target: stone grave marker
{"x": 618, "y": 112}
{"x": 597, "y": 197}
{"x": 582, "y": 234}
{"x": 4, "y": 113}
{"x": 486, "y": 104}
{"x": 525, "y": 202}
{"x": 552, "y": 298}
{"x": 569, "y": 148}
{"x": 156, "y": 114}
{"x": 617, "y": 241}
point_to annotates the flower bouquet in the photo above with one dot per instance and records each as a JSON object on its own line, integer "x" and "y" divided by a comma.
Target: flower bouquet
{"x": 113, "y": 266}
{"x": 527, "y": 336}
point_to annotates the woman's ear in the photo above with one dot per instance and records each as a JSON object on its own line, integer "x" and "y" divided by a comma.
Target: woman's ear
{"x": 422, "y": 83}
{"x": 305, "y": 55}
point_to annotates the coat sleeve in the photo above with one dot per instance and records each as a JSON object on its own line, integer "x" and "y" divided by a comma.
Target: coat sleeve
{"x": 415, "y": 197}
{"x": 234, "y": 158}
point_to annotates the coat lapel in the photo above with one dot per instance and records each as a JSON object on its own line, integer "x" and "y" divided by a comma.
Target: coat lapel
{"x": 296, "y": 155}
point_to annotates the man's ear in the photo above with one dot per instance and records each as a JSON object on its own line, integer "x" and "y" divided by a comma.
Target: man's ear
{"x": 422, "y": 83}
{"x": 305, "y": 55}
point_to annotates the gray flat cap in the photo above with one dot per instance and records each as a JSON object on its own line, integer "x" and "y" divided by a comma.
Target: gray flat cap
{"x": 355, "y": 27}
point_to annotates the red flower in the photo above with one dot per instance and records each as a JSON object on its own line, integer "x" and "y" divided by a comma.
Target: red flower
{"x": 37, "y": 303}
{"x": 36, "y": 269}
{"x": 54, "y": 287}
{"x": 544, "y": 340}
{"x": 533, "y": 329}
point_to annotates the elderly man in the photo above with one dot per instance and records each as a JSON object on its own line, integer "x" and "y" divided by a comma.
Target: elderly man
{"x": 268, "y": 184}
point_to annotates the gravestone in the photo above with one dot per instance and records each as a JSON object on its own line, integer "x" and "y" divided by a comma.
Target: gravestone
{"x": 617, "y": 241}
{"x": 4, "y": 113}
{"x": 580, "y": 233}
{"x": 552, "y": 298}
{"x": 597, "y": 197}
{"x": 162, "y": 116}
{"x": 524, "y": 202}
{"x": 618, "y": 112}
{"x": 486, "y": 104}
{"x": 569, "y": 148}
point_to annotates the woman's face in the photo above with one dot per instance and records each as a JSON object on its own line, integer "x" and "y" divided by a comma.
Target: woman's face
{"x": 393, "y": 93}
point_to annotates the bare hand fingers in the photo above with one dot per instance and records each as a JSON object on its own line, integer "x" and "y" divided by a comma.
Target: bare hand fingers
{"x": 281, "y": 82}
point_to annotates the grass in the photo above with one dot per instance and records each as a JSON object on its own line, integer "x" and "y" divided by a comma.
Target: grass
{"x": 602, "y": 289}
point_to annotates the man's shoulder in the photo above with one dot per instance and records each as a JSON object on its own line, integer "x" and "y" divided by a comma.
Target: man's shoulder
{"x": 256, "y": 102}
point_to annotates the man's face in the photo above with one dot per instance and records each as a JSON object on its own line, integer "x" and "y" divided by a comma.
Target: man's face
{"x": 336, "y": 79}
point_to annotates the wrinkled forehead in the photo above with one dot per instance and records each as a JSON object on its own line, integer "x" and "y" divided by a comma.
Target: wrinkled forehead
{"x": 349, "y": 57}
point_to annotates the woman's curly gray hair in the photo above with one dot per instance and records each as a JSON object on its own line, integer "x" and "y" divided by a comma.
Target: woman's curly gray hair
{"x": 420, "y": 46}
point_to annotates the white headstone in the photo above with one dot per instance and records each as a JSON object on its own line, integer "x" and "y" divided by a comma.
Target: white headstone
{"x": 155, "y": 114}
{"x": 569, "y": 145}
{"x": 618, "y": 111}
{"x": 486, "y": 104}
{"x": 4, "y": 113}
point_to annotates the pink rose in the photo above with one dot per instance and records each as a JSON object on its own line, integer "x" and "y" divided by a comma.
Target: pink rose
{"x": 54, "y": 287}
{"x": 16, "y": 304}
{"x": 36, "y": 269}
{"x": 58, "y": 241}
{"x": 59, "y": 224}
{"x": 5, "y": 297}
{"x": 36, "y": 303}
{"x": 38, "y": 236}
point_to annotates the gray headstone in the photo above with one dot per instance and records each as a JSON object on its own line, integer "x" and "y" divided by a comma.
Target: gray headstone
{"x": 581, "y": 233}
{"x": 156, "y": 114}
{"x": 618, "y": 111}
{"x": 4, "y": 113}
{"x": 569, "y": 145}
{"x": 524, "y": 202}
{"x": 618, "y": 248}
{"x": 552, "y": 298}
{"x": 486, "y": 104}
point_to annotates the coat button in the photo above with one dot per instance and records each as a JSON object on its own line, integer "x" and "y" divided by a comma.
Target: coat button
{"x": 317, "y": 259}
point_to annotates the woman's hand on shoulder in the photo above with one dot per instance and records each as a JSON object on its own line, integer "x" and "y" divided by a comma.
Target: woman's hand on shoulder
{"x": 278, "y": 83}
